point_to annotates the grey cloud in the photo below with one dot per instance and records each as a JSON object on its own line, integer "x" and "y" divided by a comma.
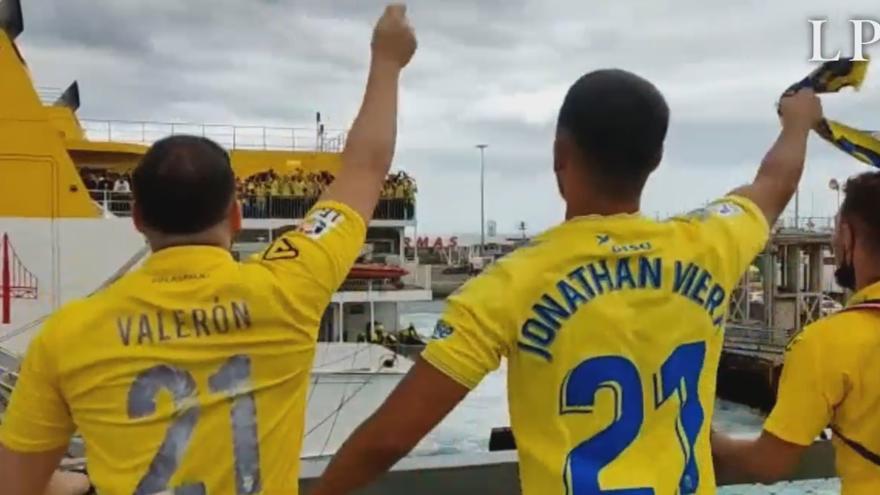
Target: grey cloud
{"x": 492, "y": 71}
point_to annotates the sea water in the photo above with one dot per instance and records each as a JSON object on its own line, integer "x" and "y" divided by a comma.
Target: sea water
{"x": 467, "y": 428}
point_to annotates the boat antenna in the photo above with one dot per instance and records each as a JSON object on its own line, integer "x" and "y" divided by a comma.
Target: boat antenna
{"x": 69, "y": 98}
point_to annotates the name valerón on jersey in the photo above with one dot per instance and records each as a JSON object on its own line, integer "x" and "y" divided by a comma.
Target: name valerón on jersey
{"x": 219, "y": 318}
{"x": 591, "y": 281}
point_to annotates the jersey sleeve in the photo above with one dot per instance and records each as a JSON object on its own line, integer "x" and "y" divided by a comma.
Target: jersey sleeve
{"x": 737, "y": 229}
{"x": 808, "y": 392}
{"x": 475, "y": 330}
{"x": 37, "y": 419}
{"x": 311, "y": 261}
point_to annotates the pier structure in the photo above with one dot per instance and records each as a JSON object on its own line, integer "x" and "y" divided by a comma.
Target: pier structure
{"x": 786, "y": 289}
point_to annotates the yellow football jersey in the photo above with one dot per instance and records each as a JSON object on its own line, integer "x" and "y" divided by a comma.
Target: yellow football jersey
{"x": 190, "y": 373}
{"x": 612, "y": 327}
{"x": 831, "y": 376}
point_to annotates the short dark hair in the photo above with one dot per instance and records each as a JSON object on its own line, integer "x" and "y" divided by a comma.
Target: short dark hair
{"x": 618, "y": 121}
{"x": 860, "y": 204}
{"x": 184, "y": 185}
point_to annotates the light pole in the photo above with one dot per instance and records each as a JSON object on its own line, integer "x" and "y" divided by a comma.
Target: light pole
{"x": 482, "y": 148}
{"x": 835, "y": 186}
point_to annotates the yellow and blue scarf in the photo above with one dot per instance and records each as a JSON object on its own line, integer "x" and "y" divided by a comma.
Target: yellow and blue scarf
{"x": 831, "y": 77}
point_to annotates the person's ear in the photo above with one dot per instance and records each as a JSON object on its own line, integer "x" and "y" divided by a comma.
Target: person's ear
{"x": 137, "y": 217}
{"x": 235, "y": 218}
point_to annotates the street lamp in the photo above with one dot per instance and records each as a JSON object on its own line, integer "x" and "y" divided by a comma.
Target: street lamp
{"x": 482, "y": 148}
{"x": 835, "y": 186}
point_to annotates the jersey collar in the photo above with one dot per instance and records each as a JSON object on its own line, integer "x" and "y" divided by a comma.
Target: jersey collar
{"x": 870, "y": 292}
{"x": 617, "y": 216}
{"x": 183, "y": 257}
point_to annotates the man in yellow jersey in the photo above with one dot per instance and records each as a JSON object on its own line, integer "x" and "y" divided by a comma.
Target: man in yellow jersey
{"x": 831, "y": 374}
{"x": 189, "y": 375}
{"x": 611, "y": 323}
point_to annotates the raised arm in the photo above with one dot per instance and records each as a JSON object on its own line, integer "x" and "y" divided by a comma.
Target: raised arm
{"x": 370, "y": 145}
{"x": 423, "y": 398}
{"x": 780, "y": 171}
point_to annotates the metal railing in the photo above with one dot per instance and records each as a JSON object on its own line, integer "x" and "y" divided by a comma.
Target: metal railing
{"x": 811, "y": 224}
{"x": 49, "y": 95}
{"x": 763, "y": 343}
{"x": 227, "y": 135}
{"x": 264, "y": 207}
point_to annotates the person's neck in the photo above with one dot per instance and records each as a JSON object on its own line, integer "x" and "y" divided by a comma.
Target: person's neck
{"x": 865, "y": 278}
{"x": 593, "y": 204}
{"x": 165, "y": 241}
{"x": 865, "y": 266}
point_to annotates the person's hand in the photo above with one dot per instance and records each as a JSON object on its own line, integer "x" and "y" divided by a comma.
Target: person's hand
{"x": 68, "y": 483}
{"x": 801, "y": 110}
{"x": 393, "y": 38}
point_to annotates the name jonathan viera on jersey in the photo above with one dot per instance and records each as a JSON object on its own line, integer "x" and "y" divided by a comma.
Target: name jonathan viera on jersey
{"x": 589, "y": 282}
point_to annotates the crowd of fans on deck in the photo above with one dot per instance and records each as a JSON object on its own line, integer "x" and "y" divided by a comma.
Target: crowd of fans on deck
{"x": 264, "y": 195}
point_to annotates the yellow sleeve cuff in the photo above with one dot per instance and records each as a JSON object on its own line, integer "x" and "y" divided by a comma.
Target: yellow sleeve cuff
{"x": 443, "y": 360}
{"x": 784, "y": 431}
{"x": 22, "y": 445}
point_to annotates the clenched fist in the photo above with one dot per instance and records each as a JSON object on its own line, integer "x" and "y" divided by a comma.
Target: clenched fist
{"x": 393, "y": 38}
{"x": 803, "y": 109}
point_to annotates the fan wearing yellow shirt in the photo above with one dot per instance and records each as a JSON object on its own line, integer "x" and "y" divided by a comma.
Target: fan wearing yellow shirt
{"x": 189, "y": 375}
{"x": 831, "y": 374}
{"x": 611, "y": 322}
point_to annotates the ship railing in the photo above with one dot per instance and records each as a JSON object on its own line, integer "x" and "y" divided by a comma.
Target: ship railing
{"x": 287, "y": 206}
{"x": 227, "y": 135}
{"x": 115, "y": 202}
{"x": 48, "y": 94}
{"x": 265, "y": 207}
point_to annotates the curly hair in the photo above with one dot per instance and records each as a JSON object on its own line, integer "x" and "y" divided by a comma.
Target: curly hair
{"x": 861, "y": 204}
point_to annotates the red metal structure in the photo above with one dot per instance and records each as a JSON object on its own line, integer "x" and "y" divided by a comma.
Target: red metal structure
{"x": 16, "y": 281}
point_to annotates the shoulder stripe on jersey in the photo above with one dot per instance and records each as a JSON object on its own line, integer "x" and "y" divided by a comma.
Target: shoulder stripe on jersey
{"x": 869, "y": 304}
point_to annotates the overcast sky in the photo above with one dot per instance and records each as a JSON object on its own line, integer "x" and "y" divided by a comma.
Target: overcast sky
{"x": 486, "y": 71}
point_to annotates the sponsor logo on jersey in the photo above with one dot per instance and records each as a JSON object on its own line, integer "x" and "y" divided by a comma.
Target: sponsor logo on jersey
{"x": 281, "y": 249}
{"x": 634, "y": 247}
{"x": 725, "y": 209}
{"x": 442, "y": 330}
{"x": 721, "y": 209}
{"x": 603, "y": 239}
{"x": 320, "y": 221}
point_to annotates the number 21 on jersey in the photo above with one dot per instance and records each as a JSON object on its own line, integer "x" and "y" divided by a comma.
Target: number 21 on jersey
{"x": 231, "y": 380}
{"x": 679, "y": 375}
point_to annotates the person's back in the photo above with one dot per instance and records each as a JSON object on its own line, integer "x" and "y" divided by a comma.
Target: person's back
{"x": 612, "y": 324}
{"x": 190, "y": 374}
{"x": 831, "y": 374}
{"x": 839, "y": 384}
{"x": 624, "y": 316}
{"x": 203, "y": 360}
{"x": 193, "y": 360}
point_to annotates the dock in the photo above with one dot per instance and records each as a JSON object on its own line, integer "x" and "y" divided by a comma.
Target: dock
{"x": 786, "y": 289}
